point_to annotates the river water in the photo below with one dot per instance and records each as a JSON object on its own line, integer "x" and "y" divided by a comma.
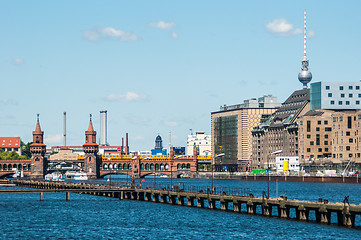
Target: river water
{"x": 23, "y": 216}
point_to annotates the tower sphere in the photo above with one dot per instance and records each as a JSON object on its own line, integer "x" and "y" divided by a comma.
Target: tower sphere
{"x": 305, "y": 77}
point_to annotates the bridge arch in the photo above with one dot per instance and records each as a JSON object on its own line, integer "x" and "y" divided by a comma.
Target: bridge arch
{"x": 188, "y": 166}
{"x": 161, "y": 166}
{"x": 110, "y": 166}
{"x": 120, "y": 166}
{"x": 142, "y": 166}
{"x": 105, "y": 166}
{"x": 147, "y": 166}
{"x": 125, "y": 167}
{"x": 115, "y": 166}
{"x": 156, "y": 166}
{"x": 151, "y": 166}
{"x": 166, "y": 167}
{"x": 179, "y": 166}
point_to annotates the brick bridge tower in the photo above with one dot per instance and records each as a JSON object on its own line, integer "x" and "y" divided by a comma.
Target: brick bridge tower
{"x": 37, "y": 150}
{"x": 90, "y": 148}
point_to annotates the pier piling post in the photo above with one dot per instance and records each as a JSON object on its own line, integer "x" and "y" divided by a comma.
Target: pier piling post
{"x": 200, "y": 202}
{"x": 41, "y": 196}
{"x": 67, "y": 196}
{"x": 224, "y": 205}
{"x": 236, "y": 206}
{"x": 250, "y": 207}
{"x": 180, "y": 200}
{"x": 266, "y": 209}
{"x": 190, "y": 202}
{"x": 211, "y": 203}
{"x": 302, "y": 213}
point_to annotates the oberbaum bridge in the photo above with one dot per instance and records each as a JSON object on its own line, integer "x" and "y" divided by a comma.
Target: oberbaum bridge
{"x": 231, "y": 199}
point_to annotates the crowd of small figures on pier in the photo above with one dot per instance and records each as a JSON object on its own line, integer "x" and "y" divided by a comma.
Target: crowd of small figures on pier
{"x": 345, "y": 213}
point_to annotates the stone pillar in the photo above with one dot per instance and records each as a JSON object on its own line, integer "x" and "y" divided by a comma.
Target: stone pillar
{"x": 190, "y": 202}
{"x": 250, "y": 209}
{"x": 162, "y": 200}
{"x": 141, "y": 196}
{"x": 224, "y": 205}
{"x": 148, "y": 196}
{"x": 211, "y": 203}
{"x": 266, "y": 209}
{"x": 121, "y": 195}
{"x": 180, "y": 200}
{"x": 172, "y": 199}
{"x": 283, "y": 211}
{"x": 236, "y": 206}
{"x": 302, "y": 213}
{"x": 200, "y": 202}
{"x": 345, "y": 218}
{"x": 155, "y": 197}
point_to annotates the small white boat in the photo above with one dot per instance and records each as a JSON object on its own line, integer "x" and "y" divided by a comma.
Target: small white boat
{"x": 55, "y": 177}
{"x": 80, "y": 176}
{"x": 163, "y": 176}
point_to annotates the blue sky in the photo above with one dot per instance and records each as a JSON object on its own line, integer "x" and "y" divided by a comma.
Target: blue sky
{"x": 160, "y": 66}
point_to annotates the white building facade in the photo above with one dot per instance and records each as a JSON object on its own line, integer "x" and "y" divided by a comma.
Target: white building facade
{"x": 201, "y": 141}
{"x": 287, "y": 164}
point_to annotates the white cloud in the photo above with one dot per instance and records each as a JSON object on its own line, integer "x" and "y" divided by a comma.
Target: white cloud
{"x": 280, "y": 26}
{"x": 109, "y": 32}
{"x": 57, "y": 138}
{"x": 170, "y": 123}
{"x": 311, "y": 34}
{"x": 91, "y": 35}
{"x": 18, "y": 61}
{"x": 162, "y": 25}
{"x": 128, "y": 97}
{"x": 174, "y": 35}
{"x": 8, "y": 102}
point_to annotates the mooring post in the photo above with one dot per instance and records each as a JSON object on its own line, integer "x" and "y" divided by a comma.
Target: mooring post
{"x": 67, "y": 196}
{"x": 41, "y": 196}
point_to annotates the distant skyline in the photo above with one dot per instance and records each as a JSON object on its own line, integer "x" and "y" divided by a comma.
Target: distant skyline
{"x": 160, "y": 66}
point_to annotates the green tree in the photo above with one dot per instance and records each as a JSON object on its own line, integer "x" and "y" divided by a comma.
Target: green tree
{"x": 25, "y": 149}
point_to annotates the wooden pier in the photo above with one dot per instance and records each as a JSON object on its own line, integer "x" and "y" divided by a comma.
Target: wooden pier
{"x": 281, "y": 207}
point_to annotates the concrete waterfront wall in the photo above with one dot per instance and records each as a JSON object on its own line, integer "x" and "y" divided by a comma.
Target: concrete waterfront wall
{"x": 353, "y": 179}
{"x": 274, "y": 207}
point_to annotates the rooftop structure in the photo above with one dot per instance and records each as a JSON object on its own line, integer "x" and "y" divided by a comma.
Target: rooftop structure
{"x": 336, "y": 95}
{"x": 10, "y": 144}
{"x": 201, "y": 141}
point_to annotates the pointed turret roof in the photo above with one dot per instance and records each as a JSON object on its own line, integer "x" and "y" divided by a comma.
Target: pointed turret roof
{"x": 37, "y": 128}
{"x": 90, "y": 128}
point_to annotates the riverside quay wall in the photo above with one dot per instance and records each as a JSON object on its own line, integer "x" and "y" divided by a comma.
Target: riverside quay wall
{"x": 325, "y": 179}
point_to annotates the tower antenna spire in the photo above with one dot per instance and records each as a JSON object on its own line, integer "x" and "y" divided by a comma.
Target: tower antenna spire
{"x": 305, "y": 75}
{"x": 304, "y": 36}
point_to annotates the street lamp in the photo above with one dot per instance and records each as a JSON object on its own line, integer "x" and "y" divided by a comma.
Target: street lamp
{"x": 218, "y": 155}
{"x": 268, "y": 168}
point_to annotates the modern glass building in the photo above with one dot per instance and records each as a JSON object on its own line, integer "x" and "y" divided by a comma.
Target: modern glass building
{"x": 336, "y": 95}
{"x": 232, "y": 131}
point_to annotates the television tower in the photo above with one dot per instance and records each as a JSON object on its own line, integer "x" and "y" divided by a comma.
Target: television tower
{"x": 305, "y": 75}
